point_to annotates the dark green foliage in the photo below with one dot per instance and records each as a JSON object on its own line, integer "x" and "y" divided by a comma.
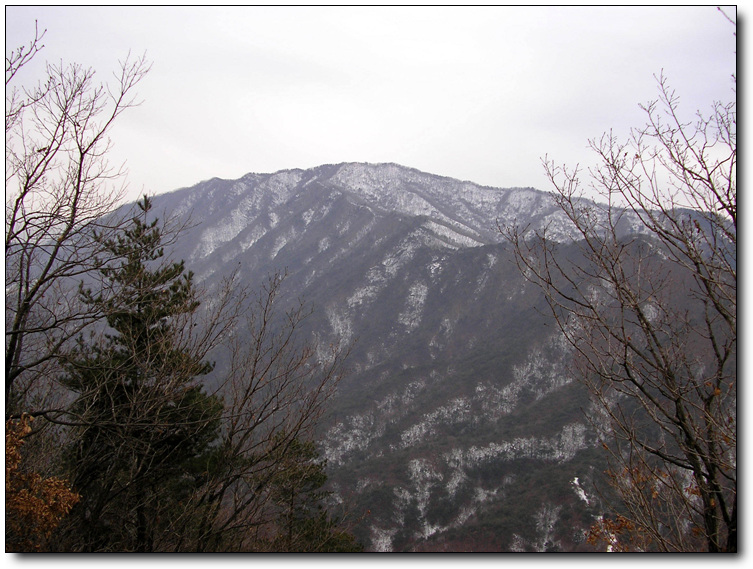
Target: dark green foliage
{"x": 304, "y": 525}
{"x": 143, "y": 426}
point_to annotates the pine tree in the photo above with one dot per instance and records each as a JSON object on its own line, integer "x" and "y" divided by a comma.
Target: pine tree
{"x": 303, "y": 522}
{"x": 145, "y": 427}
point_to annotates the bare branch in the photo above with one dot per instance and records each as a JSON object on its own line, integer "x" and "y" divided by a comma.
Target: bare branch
{"x": 60, "y": 195}
{"x": 647, "y": 297}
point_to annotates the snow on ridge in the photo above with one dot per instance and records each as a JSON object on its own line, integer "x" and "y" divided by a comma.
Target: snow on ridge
{"x": 394, "y": 187}
{"x": 378, "y": 173}
{"x": 250, "y": 196}
{"x": 381, "y": 539}
{"x": 214, "y": 236}
{"x": 456, "y": 411}
{"x": 526, "y": 202}
{"x": 279, "y": 186}
{"x": 356, "y": 432}
{"x": 459, "y": 213}
{"x": 456, "y": 238}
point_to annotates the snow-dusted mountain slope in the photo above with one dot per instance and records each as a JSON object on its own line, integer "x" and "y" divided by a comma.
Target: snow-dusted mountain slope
{"x": 458, "y": 427}
{"x": 460, "y": 214}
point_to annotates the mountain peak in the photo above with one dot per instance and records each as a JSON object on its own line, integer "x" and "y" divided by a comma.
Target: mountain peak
{"x": 453, "y": 212}
{"x": 430, "y": 430}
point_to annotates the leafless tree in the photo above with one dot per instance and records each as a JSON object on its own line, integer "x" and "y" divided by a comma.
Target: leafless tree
{"x": 59, "y": 189}
{"x": 275, "y": 392}
{"x": 647, "y": 298}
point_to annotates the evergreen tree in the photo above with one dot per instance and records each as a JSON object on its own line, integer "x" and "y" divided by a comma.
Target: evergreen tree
{"x": 144, "y": 434}
{"x": 303, "y": 523}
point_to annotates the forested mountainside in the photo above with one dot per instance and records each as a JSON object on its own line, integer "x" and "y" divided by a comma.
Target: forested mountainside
{"x": 458, "y": 426}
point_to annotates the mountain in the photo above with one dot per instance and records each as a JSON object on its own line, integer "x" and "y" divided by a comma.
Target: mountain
{"x": 458, "y": 427}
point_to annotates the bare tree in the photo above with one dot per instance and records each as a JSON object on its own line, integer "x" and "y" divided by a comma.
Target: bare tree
{"x": 59, "y": 189}
{"x": 275, "y": 392}
{"x": 647, "y": 298}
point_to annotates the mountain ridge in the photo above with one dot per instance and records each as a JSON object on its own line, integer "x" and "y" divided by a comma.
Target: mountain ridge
{"x": 458, "y": 210}
{"x": 458, "y": 399}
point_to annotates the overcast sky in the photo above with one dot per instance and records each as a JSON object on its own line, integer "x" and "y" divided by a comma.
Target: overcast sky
{"x": 479, "y": 94}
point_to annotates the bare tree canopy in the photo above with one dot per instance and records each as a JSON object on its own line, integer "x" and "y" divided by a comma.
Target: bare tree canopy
{"x": 59, "y": 189}
{"x": 647, "y": 298}
{"x": 275, "y": 391}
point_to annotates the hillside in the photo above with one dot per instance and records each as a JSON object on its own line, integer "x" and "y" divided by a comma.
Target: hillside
{"x": 458, "y": 427}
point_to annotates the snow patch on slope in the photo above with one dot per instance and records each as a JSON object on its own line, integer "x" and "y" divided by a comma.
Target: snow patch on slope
{"x": 558, "y": 448}
{"x": 411, "y": 315}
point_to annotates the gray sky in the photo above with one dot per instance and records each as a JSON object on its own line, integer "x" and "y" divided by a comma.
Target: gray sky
{"x": 479, "y": 94}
